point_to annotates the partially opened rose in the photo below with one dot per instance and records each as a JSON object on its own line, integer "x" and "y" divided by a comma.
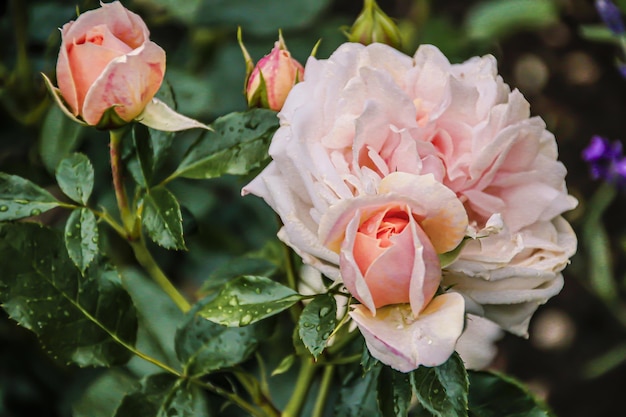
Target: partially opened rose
{"x": 388, "y": 247}
{"x": 108, "y": 61}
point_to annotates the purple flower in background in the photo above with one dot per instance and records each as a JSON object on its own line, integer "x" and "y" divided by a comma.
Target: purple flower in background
{"x": 606, "y": 160}
{"x": 611, "y": 16}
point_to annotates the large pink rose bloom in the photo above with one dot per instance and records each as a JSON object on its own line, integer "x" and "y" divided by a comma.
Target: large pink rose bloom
{"x": 108, "y": 61}
{"x": 368, "y": 112}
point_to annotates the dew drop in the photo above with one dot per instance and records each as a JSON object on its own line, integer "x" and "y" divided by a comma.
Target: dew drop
{"x": 436, "y": 391}
{"x": 35, "y": 212}
{"x": 245, "y": 320}
{"x": 318, "y": 328}
{"x": 21, "y": 201}
{"x": 258, "y": 291}
{"x": 324, "y": 311}
{"x": 94, "y": 239}
{"x": 268, "y": 310}
{"x": 326, "y": 335}
{"x": 4, "y": 208}
{"x": 233, "y": 302}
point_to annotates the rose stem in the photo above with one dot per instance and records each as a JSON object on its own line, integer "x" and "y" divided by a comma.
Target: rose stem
{"x": 320, "y": 402}
{"x": 307, "y": 372}
{"x": 133, "y": 232}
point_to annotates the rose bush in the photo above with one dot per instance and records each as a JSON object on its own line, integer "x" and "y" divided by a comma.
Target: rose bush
{"x": 369, "y": 112}
{"x": 107, "y": 61}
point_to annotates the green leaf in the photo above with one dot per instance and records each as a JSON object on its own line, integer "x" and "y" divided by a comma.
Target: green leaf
{"x": 442, "y": 390}
{"x": 88, "y": 320}
{"x": 105, "y": 394}
{"x": 238, "y": 145}
{"x": 164, "y": 395}
{"x": 21, "y": 198}
{"x": 357, "y": 395}
{"x": 497, "y": 18}
{"x": 316, "y": 323}
{"x": 75, "y": 177}
{"x": 496, "y": 395}
{"x": 58, "y": 138}
{"x": 81, "y": 238}
{"x": 203, "y": 346}
{"x": 162, "y": 219}
{"x": 394, "y": 392}
{"x": 248, "y": 299}
{"x": 284, "y": 365}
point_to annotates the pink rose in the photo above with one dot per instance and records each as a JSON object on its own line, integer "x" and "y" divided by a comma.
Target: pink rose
{"x": 369, "y": 112}
{"x": 388, "y": 247}
{"x": 107, "y": 61}
{"x": 273, "y": 77}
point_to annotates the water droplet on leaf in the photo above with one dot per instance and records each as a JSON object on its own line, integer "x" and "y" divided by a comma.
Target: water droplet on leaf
{"x": 245, "y": 320}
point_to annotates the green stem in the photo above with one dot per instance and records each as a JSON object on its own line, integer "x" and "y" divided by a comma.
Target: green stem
{"x": 118, "y": 180}
{"x": 145, "y": 259}
{"x": 236, "y": 399}
{"x": 320, "y": 402}
{"x": 307, "y": 372}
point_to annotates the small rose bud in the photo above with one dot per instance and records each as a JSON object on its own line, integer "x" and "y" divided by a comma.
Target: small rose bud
{"x": 273, "y": 77}
{"x": 373, "y": 25}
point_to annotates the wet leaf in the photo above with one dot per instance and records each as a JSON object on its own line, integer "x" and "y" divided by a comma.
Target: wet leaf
{"x": 238, "y": 145}
{"x": 162, "y": 219}
{"x": 203, "y": 346}
{"x": 442, "y": 390}
{"x": 75, "y": 176}
{"x": 248, "y": 299}
{"x": 87, "y": 320}
{"x": 81, "y": 237}
{"x": 394, "y": 392}
{"x": 21, "y": 198}
{"x": 316, "y": 323}
{"x": 496, "y": 395}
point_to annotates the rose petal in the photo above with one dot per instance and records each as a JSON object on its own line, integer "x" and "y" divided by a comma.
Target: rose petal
{"x": 128, "y": 83}
{"x": 123, "y": 23}
{"x": 403, "y": 342}
{"x": 476, "y": 346}
{"x": 443, "y": 217}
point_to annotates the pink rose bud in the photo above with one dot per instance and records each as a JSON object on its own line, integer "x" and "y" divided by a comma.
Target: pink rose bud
{"x": 273, "y": 77}
{"x": 107, "y": 61}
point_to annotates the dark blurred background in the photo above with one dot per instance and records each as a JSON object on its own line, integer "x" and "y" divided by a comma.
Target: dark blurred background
{"x": 548, "y": 49}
